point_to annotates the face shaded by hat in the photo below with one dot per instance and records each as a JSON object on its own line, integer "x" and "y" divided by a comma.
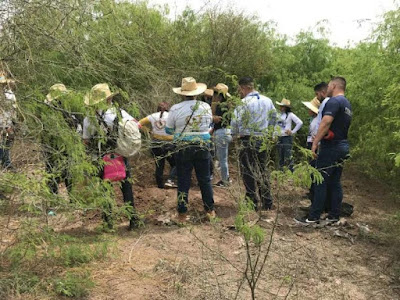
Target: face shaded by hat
{"x": 99, "y": 93}
{"x": 284, "y": 102}
{"x": 55, "y": 91}
{"x": 190, "y": 87}
{"x": 222, "y": 88}
{"x": 312, "y": 105}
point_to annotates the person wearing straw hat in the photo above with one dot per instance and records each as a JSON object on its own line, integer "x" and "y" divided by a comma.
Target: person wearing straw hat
{"x": 252, "y": 121}
{"x": 285, "y": 131}
{"x": 52, "y": 152}
{"x": 162, "y": 147}
{"x": 333, "y": 151}
{"x": 8, "y": 104}
{"x": 107, "y": 116}
{"x": 189, "y": 121}
{"x": 222, "y": 134}
{"x": 312, "y": 106}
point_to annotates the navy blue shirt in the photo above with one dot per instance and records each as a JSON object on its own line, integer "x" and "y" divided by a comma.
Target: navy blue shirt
{"x": 340, "y": 109}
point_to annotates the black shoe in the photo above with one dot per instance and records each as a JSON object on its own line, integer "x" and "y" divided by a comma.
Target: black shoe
{"x": 133, "y": 224}
{"x": 306, "y": 220}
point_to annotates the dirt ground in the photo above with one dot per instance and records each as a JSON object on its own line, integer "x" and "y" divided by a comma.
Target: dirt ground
{"x": 206, "y": 261}
{"x": 200, "y": 260}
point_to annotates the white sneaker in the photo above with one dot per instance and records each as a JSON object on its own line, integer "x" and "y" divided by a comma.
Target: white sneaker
{"x": 171, "y": 184}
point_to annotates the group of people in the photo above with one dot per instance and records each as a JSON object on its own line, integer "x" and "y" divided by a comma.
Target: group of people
{"x": 187, "y": 134}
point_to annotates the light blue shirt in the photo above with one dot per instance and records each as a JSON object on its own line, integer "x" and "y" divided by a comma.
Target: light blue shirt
{"x": 254, "y": 115}
{"x": 321, "y": 108}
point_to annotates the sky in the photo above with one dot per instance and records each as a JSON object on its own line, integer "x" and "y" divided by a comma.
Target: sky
{"x": 348, "y": 21}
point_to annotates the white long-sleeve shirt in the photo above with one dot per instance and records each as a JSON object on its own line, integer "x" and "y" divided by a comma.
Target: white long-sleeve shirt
{"x": 313, "y": 129}
{"x": 285, "y": 123}
{"x": 253, "y": 116}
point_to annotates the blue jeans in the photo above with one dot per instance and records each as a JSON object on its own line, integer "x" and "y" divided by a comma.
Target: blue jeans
{"x": 222, "y": 139}
{"x": 197, "y": 157}
{"x": 330, "y": 163}
{"x": 285, "y": 145}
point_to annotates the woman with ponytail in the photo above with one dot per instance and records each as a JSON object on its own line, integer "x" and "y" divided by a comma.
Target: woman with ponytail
{"x": 162, "y": 147}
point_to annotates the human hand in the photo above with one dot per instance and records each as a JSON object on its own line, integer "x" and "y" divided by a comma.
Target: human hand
{"x": 288, "y": 132}
{"x": 314, "y": 150}
{"x": 217, "y": 119}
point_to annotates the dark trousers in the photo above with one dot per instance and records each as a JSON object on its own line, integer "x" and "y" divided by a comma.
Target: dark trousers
{"x": 330, "y": 163}
{"x": 197, "y": 157}
{"x": 163, "y": 151}
{"x": 255, "y": 173}
{"x": 5, "y": 145}
{"x": 51, "y": 168}
{"x": 127, "y": 193}
{"x": 313, "y": 163}
{"x": 284, "y": 146}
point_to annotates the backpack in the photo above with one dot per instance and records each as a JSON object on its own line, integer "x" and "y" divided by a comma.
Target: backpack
{"x": 128, "y": 138}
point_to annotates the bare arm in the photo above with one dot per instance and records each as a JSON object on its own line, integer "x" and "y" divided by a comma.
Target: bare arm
{"x": 322, "y": 131}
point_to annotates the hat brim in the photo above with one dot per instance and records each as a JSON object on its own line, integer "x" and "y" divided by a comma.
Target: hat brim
{"x": 311, "y": 107}
{"x": 7, "y": 81}
{"x": 90, "y": 103}
{"x": 281, "y": 104}
{"x": 201, "y": 87}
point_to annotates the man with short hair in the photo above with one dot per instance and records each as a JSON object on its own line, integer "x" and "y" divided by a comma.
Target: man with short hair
{"x": 334, "y": 149}
{"x": 251, "y": 121}
{"x": 321, "y": 91}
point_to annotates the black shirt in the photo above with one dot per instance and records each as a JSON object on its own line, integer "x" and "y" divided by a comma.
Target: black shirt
{"x": 222, "y": 110}
{"x": 340, "y": 109}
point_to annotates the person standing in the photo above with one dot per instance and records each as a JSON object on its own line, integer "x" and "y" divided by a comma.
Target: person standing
{"x": 313, "y": 107}
{"x": 107, "y": 118}
{"x": 222, "y": 134}
{"x": 321, "y": 92}
{"x": 189, "y": 121}
{"x": 55, "y": 156}
{"x": 253, "y": 122}
{"x": 8, "y": 104}
{"x": 334, "y": 149}
{"x": 161, "y": 144}
{"x": 285, "y": 140}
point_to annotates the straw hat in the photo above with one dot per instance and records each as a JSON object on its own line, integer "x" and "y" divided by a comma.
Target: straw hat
{"x": 284, "y": 102}
{"x": 55, "y": 91}
{"x": 312, "y": 105}
{"x": 209, "y": 92}
{"x": 190, "y": 87}
{"x": 99, "y": 93}
{"x": 3, "y": 78}
{"x": 222, "y": 88}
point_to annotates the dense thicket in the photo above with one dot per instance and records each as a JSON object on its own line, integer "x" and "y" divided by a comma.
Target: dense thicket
{"x": 141, "y": 51}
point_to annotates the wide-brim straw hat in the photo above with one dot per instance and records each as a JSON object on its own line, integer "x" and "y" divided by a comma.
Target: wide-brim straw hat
{"x": 209, "y": 92}
{"x": 99, "y": 93}
{"x": 222, "y": 88}
{"x": 312, "y": 105}
{"x": 190, "y": 87}
{"x": 55, "y": 91}
{"x": 284, "y": 102}
{"x": 4, "y": 79}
